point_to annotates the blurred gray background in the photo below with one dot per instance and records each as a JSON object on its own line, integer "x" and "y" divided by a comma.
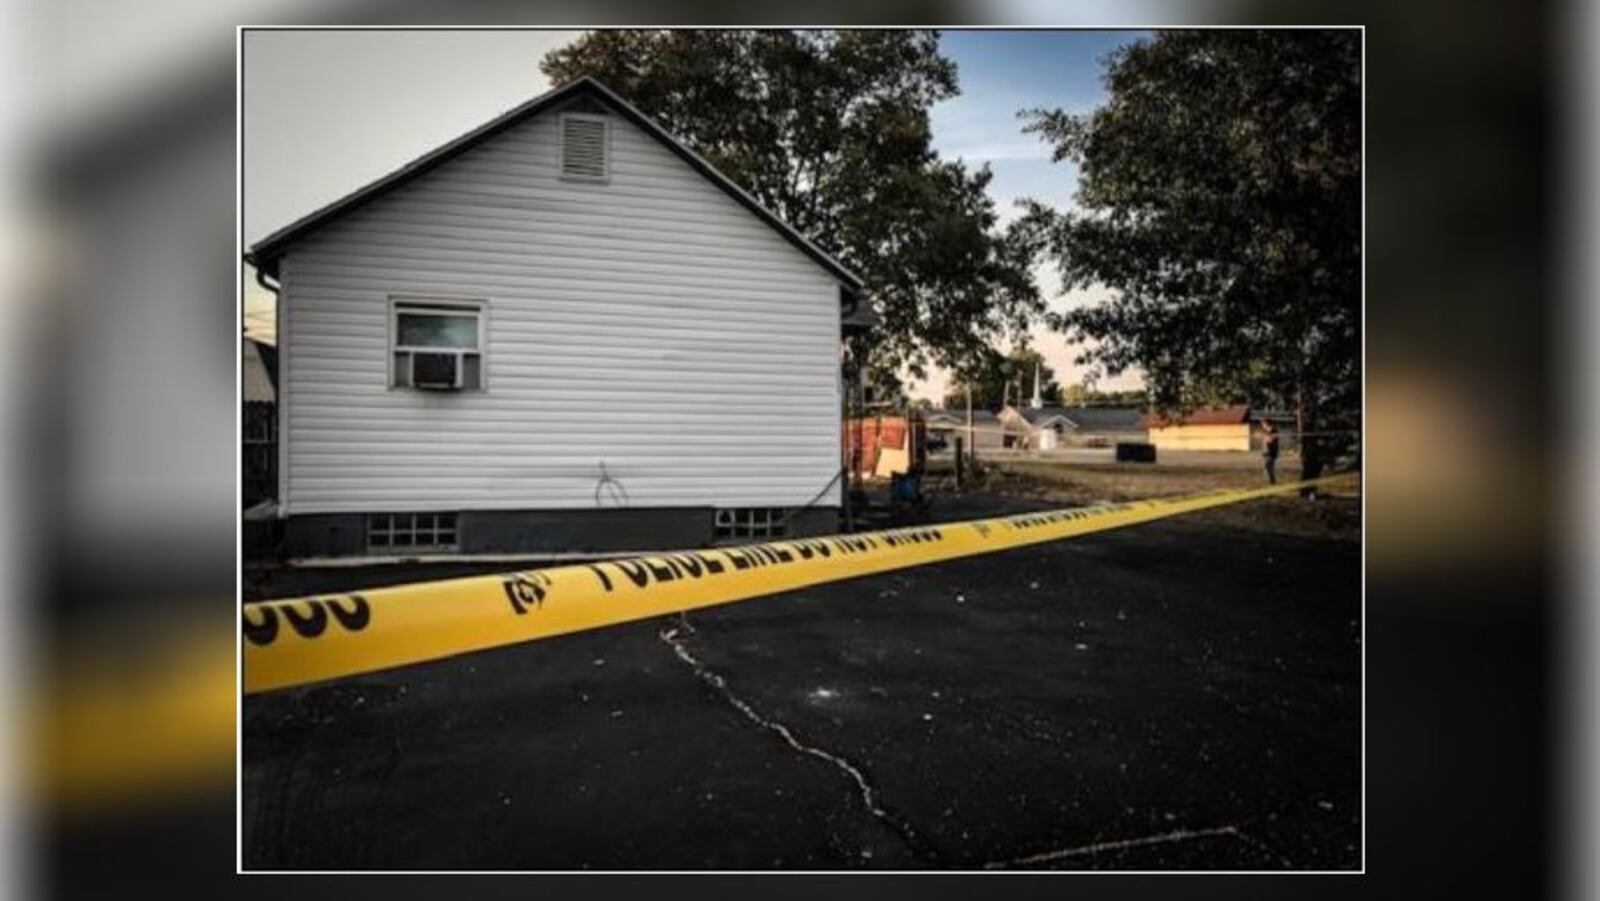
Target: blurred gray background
{"x": 122, "y": 336}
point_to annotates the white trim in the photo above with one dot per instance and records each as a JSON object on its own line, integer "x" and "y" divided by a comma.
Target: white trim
{"x": 282, "y": 326}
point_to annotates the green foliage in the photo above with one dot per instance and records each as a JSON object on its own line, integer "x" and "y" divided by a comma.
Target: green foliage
{"x": 1083, "y": 394}
{"x": 830, "y": 131}
{"x": 1003, "y": 379}
{"x": 1220, "y": 199}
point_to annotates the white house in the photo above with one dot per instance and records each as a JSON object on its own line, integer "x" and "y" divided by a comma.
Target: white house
{"x": 563, "y": 330}
{"x": 1048, "y": 427}
{"x": 985, "y": 433}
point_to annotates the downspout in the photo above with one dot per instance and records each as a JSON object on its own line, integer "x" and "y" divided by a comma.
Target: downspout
{"x": 261, "y": 279}
{"x": 276, "y": 290}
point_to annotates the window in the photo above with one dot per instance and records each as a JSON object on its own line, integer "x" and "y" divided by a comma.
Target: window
{"x": 585, "y": 147}
{"x": 752, "y": 522}
{"x": 437, "y": 345}
{"x": 260, "y": 422}
{"x": 403, "y": 532}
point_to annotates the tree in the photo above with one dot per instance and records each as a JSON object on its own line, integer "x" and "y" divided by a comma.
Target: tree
{"x": 1084, "y": 394}
{"x": 1220, "y": 198}
{"x": 1004, "y": 379}
{"x": 830, "y": 131}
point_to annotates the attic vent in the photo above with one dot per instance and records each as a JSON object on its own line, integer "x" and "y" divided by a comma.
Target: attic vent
{"x": 585, "y": 150}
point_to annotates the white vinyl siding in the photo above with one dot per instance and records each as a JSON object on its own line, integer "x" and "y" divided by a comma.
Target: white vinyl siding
{"x": 648, "y": 322}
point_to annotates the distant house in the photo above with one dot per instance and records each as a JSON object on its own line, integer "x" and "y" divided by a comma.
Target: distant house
{"x": 952, "y": 424}
{"x": 1208, "y": 428}
{"x": 564, "y": 330}
{"x": 1073, "y": 426}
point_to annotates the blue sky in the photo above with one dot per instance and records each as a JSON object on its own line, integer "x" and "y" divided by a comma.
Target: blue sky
{"x": 1002, "y": 72}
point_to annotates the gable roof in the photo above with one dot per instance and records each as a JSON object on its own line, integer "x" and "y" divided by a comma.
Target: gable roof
{"x": 1233, "y": 415}
{"x": 1038, "y": 416}
{"x": 960, "y": 416}
{"x": 1100, "y": 418}
{"x": 269, "y": 250}
{"x": 1088, "y": 419}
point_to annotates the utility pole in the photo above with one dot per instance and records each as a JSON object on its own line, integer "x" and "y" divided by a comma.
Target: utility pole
{"x": 972, "y": 437}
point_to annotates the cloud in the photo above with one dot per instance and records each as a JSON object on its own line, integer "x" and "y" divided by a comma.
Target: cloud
{"x": 1031, "y": 150}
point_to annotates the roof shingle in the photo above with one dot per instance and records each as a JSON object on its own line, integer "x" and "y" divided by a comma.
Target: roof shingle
{"x": 1230, "y": 415}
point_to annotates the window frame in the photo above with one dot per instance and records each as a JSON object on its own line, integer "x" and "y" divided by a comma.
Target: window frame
{"x": 412, "y": 305}
{"x": 605, "y": 148}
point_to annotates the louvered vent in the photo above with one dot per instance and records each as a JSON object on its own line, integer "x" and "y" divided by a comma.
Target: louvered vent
{"x": 583, "y": 147}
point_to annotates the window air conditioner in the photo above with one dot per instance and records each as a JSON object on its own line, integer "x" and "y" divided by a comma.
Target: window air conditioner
{"x": 439, "y": 372}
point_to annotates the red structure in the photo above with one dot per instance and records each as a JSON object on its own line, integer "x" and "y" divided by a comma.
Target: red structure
{"x": 882, "y": 446}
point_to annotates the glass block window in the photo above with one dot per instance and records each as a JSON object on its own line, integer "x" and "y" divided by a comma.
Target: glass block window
{"x": 752, "y": 522}
{"x": 390, "y": 533}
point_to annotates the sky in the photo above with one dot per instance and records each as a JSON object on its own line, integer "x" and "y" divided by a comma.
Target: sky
{"x": 327, "y": 112}
{"x": 1002, "y": 73}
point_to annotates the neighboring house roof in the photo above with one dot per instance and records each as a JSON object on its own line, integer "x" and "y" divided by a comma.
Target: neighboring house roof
{"x": 1043, "y": 417}
{"x": 268, "y": 251}
{"x": 1107, "y": 419}
{"x": 1204, "y": 416}
{"x": 1084, "y": 418}
{"x": 258, "y": 377}
{"x": 1087, "y": 419}
{"x": 959, "y": 417}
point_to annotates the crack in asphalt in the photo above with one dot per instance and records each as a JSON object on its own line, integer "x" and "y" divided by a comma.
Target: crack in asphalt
{"x": 1177, "y": 835}
{"x": 1266, "y": 849}
{"x": 673, "y": 637}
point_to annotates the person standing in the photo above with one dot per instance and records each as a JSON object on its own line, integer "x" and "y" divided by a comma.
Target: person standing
{"x": 1269, "y": 450}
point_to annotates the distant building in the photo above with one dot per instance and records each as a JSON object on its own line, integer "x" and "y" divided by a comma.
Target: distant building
{"x": 1045, "y": 428}
{"x": 1206, "y": 429}
{"x": 1088, "y": 426}
{"x": 952, "y": 424}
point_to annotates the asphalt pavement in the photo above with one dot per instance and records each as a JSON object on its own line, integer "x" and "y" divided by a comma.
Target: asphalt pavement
{"x": 1183, "y": 694}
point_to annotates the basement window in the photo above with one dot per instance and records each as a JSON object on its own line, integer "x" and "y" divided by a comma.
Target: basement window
{"x": 436, "y": 345}
{"x": 404, "y": 532}
{"x": 585, "y": 147}
{"x": 752, "y": 522}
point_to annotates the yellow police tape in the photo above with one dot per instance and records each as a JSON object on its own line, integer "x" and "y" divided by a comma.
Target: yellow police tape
{"x": 294, "y": 642}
